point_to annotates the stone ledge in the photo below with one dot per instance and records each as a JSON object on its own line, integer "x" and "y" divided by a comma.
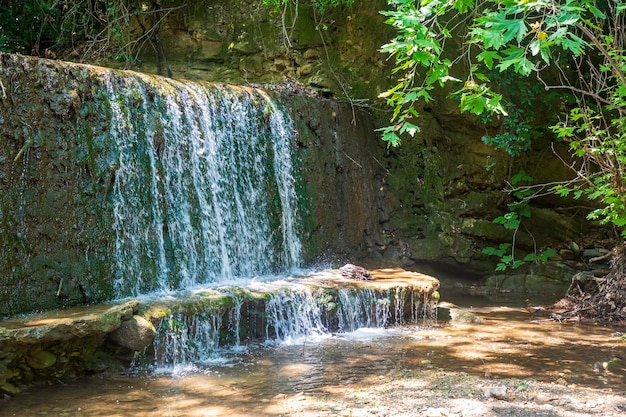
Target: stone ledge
{"x": 64, "y": 344}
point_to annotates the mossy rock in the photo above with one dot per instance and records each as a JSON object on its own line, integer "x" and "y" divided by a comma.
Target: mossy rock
{"x": 41, "y": 359}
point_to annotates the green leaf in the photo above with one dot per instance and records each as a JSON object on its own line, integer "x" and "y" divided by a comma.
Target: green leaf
{"x": 462, "y": 6}
{"x": 512, "y": 57}
{"x": 488, "y": 57}
{"x": 389, "y": 135}
{"x": 531, "y": 257}
{"x": 525, "y": 212}
{"x": 473, "y": 103}
{"x": 509, "y": 220}
{"x": 546, "y": 54}
{"x": 521, "y": 176}
{"x": 524, "y": 66}
{"x": 490, "y": 39}
{"x": 568, "y": 19}
{"x": 547, "y": 254}
{"x": 507, "y": 29}
{"x": 409, "y": 128}
{"x": 481, "y": 77}
{"x": 596, "y": 12}
{"x": 535, "y": 47}
{"x": 573, "y": 43}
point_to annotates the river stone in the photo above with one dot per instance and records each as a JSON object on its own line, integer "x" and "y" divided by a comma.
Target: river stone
{"x": 355, "y": 272}
{"x": 41, "y": 360}
{"x": 305, "y": 70}
{"x": 311, "y": 54}
{"x": 592, "y": 253}
{"x": 449, "y": 311}
{"x": 135, "y": 334}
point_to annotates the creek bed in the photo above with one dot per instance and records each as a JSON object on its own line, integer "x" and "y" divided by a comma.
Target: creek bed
{"x": 547, "y": 368}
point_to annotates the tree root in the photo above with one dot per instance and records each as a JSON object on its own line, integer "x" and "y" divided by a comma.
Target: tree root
{"x": 596, "y": 298}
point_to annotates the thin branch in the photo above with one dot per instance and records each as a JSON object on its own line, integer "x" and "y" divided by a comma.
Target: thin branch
{"x": 286, "y": 36}
{"x": 576, "y": 90}
{"x": 330, "y": 67}
{"x": 98, "y": 37}
{"x": 355, "y": 162}
{"x": 578, "y": 173}
{"x": 616, "y": 69}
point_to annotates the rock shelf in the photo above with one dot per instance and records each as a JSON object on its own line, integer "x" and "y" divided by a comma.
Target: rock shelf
{"x": 65, "y": 344}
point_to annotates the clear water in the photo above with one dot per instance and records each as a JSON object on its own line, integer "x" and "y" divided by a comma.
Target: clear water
{"x": 288, "y": 311}
{"x": 311, "y": 377}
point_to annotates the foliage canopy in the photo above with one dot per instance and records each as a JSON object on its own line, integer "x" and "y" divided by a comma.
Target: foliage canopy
{"x": 575, "y": 46}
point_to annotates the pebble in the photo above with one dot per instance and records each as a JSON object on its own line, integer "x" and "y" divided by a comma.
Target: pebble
{"x": 573, "y": 246}
{"x": 435, "y": 412}
{"x": 498, "y": 392}
{"x": 592, "y": 253}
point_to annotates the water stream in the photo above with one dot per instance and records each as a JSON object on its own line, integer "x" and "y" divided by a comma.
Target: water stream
{"x": 316, "y": 372}
{"x": 196, "y": 326}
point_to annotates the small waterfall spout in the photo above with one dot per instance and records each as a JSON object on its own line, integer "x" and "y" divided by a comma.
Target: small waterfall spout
{"x": 200, "y": 325}
{"x": 204, "y": 185}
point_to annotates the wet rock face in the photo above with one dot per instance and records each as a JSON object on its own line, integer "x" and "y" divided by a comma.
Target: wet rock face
{"x": 339, "y": 177}
{"x": 41, "y": 359}
{"x": 53, "y": 188}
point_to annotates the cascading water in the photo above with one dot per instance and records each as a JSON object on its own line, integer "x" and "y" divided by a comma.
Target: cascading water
{"x": 204, "y": 186}
{"x": 289, "y": 312}
{"x": 295, "y": 313}
{"x": 204, "y": 193}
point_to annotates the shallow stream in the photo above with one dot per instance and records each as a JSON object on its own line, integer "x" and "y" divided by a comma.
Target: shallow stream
{"x": 266, "y": 379}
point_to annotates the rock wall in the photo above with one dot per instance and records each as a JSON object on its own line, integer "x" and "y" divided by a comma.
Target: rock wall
{"x": 55, "y": 230}
{"x": 58, "y": 165}
{"x": 341, "y": 176}
{"x": 240, "y": 42}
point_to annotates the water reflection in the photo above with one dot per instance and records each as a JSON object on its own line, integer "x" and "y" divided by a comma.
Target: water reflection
{"x": 269, "y": 380}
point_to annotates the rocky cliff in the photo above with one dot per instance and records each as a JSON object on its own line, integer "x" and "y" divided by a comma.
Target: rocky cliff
{"x": 60, "y": 160}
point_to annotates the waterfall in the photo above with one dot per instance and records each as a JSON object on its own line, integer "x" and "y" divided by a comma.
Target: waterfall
{"x": 369, "y": 308}
{"x": 204, "y": 185}
{"x": 203, "y": 326}
{"x": 295, "y": 313}
{"x": 183, "y": 339}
